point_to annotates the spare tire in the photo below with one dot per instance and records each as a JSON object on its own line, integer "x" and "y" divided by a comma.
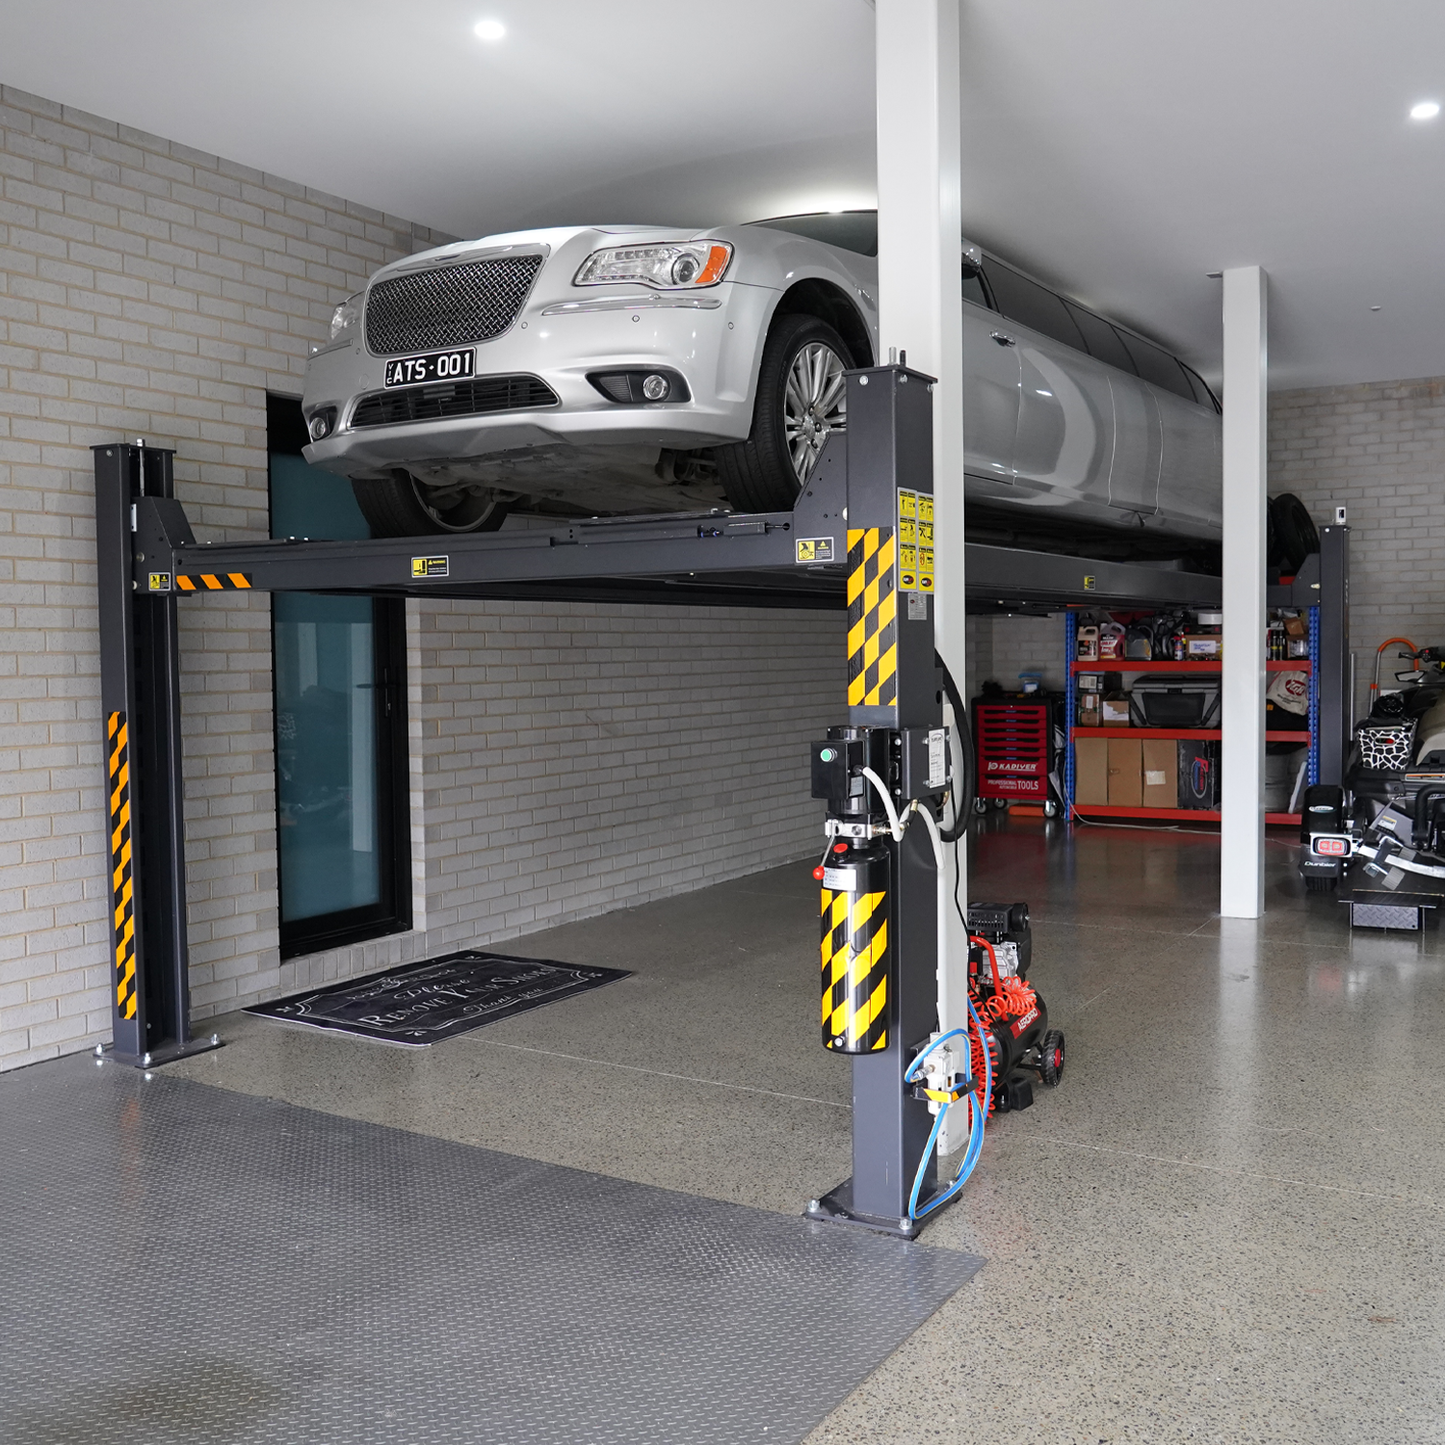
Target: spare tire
{"x": 1294, "y": 530}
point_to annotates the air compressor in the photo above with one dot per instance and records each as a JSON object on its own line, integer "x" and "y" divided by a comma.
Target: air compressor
{"x": 1021, "y": 1044}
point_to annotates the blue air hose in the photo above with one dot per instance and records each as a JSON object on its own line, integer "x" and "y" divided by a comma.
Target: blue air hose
{"x": 977, "y": 1116}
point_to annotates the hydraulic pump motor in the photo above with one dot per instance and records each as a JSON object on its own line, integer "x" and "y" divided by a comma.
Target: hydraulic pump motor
{"x": 855, "y": 948}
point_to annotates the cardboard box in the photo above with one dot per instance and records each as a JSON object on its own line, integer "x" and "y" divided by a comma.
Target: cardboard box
{"x": 1091, "y": 771}
{"x": 1116, "y": 710}
{"x": 1161, "y": 772}
{"x": 1126, "y": 773}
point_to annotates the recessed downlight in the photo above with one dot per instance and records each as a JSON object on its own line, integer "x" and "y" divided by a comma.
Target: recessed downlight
{"x": 492, "y": 30}
{"x": 1425, "y": 110}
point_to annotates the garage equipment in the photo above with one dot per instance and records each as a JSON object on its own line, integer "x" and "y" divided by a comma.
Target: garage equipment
{"x": 149, "y": 563}
{"x": 1014, "y": 746}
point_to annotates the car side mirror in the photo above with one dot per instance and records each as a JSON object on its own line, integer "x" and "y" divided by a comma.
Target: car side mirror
{"x": 972, "y": 261}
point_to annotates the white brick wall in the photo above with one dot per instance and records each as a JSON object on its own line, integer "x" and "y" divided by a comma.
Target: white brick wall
{"x": 149, "y": 290}
{"x": 1379, "y": 450}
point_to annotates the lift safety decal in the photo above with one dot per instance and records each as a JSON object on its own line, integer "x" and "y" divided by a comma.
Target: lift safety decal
{"x": 915, "y": 541}
{"x": 814, "y": 549}
{"x": 872, "y": 618}
{"x": 212, "y": 582}
{"x": 855, "y": 971}
{"x": 123, "y": 903}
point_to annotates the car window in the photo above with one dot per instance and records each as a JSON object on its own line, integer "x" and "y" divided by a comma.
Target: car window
{"x": 1100, "y": 339}
{"x": 849, "y": 230}
{"x": 1158, "y": 367}
{"x": 973, "y": 289}
{"x": 1202, "y": 393}
{"x": 1030, "y": 304}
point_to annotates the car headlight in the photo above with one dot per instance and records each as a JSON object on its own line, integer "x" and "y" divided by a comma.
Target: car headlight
{"x": 346, "y": 315}
{"x": 670, "y": 266}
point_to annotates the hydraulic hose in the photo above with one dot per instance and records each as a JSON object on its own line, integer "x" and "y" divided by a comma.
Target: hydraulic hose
{"x": 964, "y": 768}
{"x": 898, "y": 823}
{"x": 895, "y": 823}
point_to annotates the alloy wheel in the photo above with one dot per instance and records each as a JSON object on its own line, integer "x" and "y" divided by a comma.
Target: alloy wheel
{"x": 815, "y": 403}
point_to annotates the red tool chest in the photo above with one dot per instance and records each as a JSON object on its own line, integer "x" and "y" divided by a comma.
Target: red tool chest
{"x": 1014, "y": 744}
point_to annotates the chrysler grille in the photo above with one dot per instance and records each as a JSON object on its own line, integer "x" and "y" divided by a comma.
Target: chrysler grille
{"x": 448, "y": 305}
{"x": 452, "y": 398}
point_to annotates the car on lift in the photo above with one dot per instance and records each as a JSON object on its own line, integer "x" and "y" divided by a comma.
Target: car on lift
{"x": 606, "y": 370}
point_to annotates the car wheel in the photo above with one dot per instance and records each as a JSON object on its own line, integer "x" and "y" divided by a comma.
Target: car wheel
{"x": 801, "y": 399}
{"x": 401, "y": 506}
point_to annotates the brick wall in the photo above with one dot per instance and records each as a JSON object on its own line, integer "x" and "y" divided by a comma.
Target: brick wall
{"x": 149, "y": 290}
{"x": 1379, "y": 450}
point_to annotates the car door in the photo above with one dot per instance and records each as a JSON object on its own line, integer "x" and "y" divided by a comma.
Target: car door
{"x": 990, "y": 395}
{"x": 1138, "y": 445}
{"x": 1190, "y": 475}
{"x": 1064, "y": 439}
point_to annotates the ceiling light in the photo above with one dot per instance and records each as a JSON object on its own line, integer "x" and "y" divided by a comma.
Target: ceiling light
{"x": 1426, "y": 110}
{"x": 489, "y": 30}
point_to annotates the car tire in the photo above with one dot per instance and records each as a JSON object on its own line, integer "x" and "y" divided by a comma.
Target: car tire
{"x": 400, "y": 506}
{"x": 1295, "y": 532}
{"x": 766, "y": 472}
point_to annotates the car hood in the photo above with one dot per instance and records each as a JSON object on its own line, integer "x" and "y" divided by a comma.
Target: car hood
{"x": 547, "y": 239}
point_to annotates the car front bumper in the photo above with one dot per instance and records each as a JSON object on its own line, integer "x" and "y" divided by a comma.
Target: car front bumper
{"x": 714, "y": 344}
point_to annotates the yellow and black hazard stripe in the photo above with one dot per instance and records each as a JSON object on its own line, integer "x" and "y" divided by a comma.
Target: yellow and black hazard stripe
{"x": 122, "y": 883}
{"x": 872, "y": 618}
{"x": 212, "y": 582}
{"x": 855, "y": 971}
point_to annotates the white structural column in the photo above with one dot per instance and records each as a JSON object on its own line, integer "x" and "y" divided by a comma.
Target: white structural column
{"x": 1246, "y": 354}
{"x": 920, "y": 303}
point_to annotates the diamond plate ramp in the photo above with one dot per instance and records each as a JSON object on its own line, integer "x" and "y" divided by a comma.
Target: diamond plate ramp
{"x": 184, "y": 1263}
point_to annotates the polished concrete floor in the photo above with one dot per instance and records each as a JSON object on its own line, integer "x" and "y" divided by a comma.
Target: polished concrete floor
{"x": 1224, "y": 1226}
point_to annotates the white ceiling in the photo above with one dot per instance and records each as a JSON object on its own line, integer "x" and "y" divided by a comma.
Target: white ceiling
{"x": 1120, "y": 148}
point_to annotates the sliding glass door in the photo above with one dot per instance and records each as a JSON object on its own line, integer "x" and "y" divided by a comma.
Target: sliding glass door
{"x": 341, "y": 783}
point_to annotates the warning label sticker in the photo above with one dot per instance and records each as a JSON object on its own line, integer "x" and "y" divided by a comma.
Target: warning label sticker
{"x": 429, "y": 566}
{"x": 915, "y": 541}
{"x": 159, "y": 582}
{"x": 814, "y": 549}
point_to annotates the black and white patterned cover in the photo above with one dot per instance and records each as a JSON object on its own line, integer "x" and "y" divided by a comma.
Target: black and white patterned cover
{"x": 1387, "y": 746}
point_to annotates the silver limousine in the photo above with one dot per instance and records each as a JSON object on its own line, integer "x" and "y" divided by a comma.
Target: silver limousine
{"x": 596, "y": 369}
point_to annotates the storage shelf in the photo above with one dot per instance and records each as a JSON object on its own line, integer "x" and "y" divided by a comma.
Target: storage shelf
{"x": 1201, "y": 735}
{"x": 1181, "y": 815}
{"x": 1294, "y": 664}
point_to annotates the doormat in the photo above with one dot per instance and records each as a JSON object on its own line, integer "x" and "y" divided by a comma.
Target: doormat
{"x": 422, "y": 1003}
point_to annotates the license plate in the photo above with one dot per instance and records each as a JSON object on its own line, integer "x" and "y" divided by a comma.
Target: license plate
{"x": 433, "y": 366}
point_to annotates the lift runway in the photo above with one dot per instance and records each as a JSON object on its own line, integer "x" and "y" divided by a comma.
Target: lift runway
{"x": 187, "y": 1262}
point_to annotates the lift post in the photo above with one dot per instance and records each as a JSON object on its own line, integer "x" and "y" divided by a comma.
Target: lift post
{"x": 140, "y": 708}
{"x": 879, "y": 925}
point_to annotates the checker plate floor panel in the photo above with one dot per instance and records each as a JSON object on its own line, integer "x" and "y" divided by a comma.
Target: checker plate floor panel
{"x": 184, "y": 1263}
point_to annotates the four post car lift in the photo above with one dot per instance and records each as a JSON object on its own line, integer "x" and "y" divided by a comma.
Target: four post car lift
{"x": 857, "y": 538}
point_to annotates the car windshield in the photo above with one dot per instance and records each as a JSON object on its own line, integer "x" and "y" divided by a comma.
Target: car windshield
{"x": 848, "y": 230}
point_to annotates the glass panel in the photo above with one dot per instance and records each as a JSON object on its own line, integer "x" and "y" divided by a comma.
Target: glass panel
{"x": 1030, "y": 304}
{"x": 1101, "y": 339}
{"x": 326, "y": 769}
{"x": 335, "y": 834}
{"x": 307, "y": 502}
{"x": 973, "y": 289}
{"x": 1202, "y": 393}
{"x": 1158, "y": 367}
{"x": 849, "y": 230}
